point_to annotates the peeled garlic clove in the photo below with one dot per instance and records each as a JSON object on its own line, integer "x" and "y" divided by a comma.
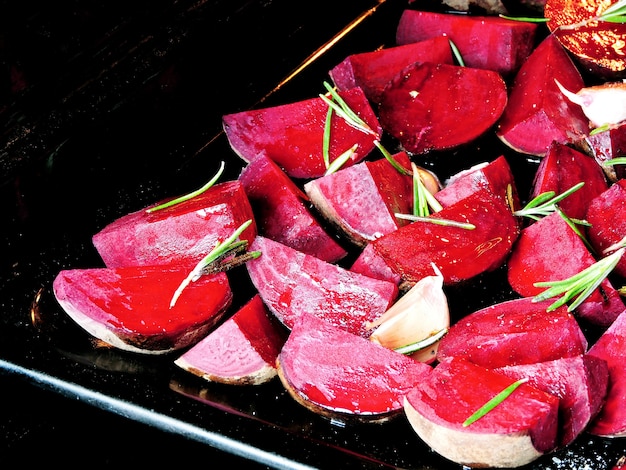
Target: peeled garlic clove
{"x": 602, "y": 104}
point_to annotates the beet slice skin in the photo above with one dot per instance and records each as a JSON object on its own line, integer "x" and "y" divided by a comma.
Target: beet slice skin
{"x": 407, "y": 254}
{"x": 605, "y": 146}
{"x": 537, "y": 113}
{"x": 580, "y": 383}
{"x": 514, "y": 332}
{"x": 485, "y": 42}
{"x": 292, "y": 283}
{"x": 240, "y": 351}
{"x": 606, "y": 215}
{"x": 280, "y": 212}
{"x": 185, "y": 232}
{"x": 611, "y": 347}
{"x": 362, "y": 200}
{"x": 550, "y": 250}
{"x": 292, "y": 134}
{"x": 336, "y": 373}
{"x": 129, "y": 307}
{"x": 372, "y": 70}
{"x": 516, "y": 432}
{"x": 440, "y": 106}
{"x": 563, "y": 167}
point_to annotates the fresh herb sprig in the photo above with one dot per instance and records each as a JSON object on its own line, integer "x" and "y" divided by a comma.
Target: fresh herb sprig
{"x": 616, "y": 13}
{"x": 495, "y": 401}
{"x": 419, "y": 345}
{"x": 436, "y": 221}
{"x": 545, "y": 203}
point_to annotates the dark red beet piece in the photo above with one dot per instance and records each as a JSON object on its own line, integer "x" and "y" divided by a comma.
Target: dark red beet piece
{"x": 604, "y": 146}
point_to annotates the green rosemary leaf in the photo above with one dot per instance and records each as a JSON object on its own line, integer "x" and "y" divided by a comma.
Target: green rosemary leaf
{"x": 391, "y": 160}
{"x": 615, "y": 161}
{"x": 411, "y": 348}
{"x": 545, "y": 203}
{"x": 495, "y": 401}
{"x": 326, "y": 138}
{"x": 436, "y": 221}
{"x": 457, "y": 53}
{"x": 527, "y": 19}
{"x": 341, "y": 160}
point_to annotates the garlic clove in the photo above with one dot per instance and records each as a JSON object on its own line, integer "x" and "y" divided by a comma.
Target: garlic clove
{"x": 602, "y": 104}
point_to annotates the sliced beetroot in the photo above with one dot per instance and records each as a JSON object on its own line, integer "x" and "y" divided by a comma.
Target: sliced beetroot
{"x": 279, "y": 209}
{"x": 185, "y": 232}
{"x": 514, "y": 332}
{"x": 563, "y": 167}
{"x": 580, "y": 383}
{"x": 550, "y": 250}
{"x": 596, "y": 45}
{"x": 362, "y": 200}
{"x": 292, "y": 283}
{"x": 606, "y": 215}
{"x": 611, "y": 421}
{"x": 129, "y": 307}
{"x": 241, "y": 351}
{"x": 372, "y": 70}
{"x": 293, "y": 134}
{"x": 604, "y": 146}
{"x": 516, "y": 432}
{"x": 537, "y": 113}
{"x": 336, "y": 373}
{"x": 408, "y": 253}
{"x": 484, "y": 42}
{"x": 440, "y": 106}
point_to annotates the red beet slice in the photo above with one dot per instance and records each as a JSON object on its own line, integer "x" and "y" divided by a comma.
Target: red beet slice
{"x": 183, "y": 233}
{"x": 460, "y": 254}
{"x": 580, "y": 383}
{"x": 537, "y": 113}
{"x": 606, "y": 215}
{"x": 292, "y": 283}
{"x": 129, "y": 307}
{"x": 611, "y": 421}
{"x": 550, "y": 250}
{"x": 562, "y": 168}
{"x": 241, "y": 351}
{"x": 604, "y": 146}
{"x": 485, "y": 42}
{"x": 598, "y": 46}
{"x": 280, "y": 212}
{"x": 514, "y": 332}
{"x": 372, "y": 70}
{"x": 516, "y": 432}
{"x": 336, "y": 373}
{"x": 440, "y": 106}
{"x": 362, "y": 200}
{"x": 293, "y": 134}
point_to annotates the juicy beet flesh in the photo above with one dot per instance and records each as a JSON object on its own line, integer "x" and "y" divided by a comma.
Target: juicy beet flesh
{"x": 130, "y": 307}
{"x": 280, "y": 211}
{"x": 484, "y": 42}
{"x": 426, "y": 106}
{"x": 537, "y": 113}
{"x": 333, "y": 371}
{"x": 185, "y": 232}
{"x": 514, "y": 332}
{"x": 372, "y": 70}
{"x": 604, "y": 146}
{"x": 292, "y": 134}
{"x": 550, "y": 250}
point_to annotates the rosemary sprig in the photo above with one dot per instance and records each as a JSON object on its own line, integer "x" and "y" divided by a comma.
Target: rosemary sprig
{"x": 495, "y": 401}
{"x": 615, "y": 161}
{"x": 526, "y": 19}
{"x": 341, "y": 160}
{"x": 191, "y": 195}
{"x": 545, "y": 203}
{"x": 342, "y": 109}
{"x": 209, "y": 264}
{"x": 456, "y": 53}
{"x": 436, "y": 221}
{"x": 580, "y": 285}
{"x": 423, "y": 200}
{"x": 390, "y": 159}
{"x": 418, "y": 345}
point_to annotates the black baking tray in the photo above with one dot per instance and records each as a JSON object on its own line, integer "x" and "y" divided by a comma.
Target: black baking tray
{"x": 106, "y": 107}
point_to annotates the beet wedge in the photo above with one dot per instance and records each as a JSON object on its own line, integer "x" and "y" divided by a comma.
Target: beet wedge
{"x": 611, "y": 421}
{"x": 427, "y": 106}
{"x": 362, "y": 200}
{"x": 519, "y": 430}
{"x": 240, "y": 351}
{"x": 280, "y": 211}
{"x": 182, "y": 233}
{"x": 129, "y": 307}
{"x": 606, "y": 215}
{"x": 338, "y": 374}
{"x": 550, "y": 250}
{"x": 537, "y": 113}
{"x": 484, "y": 42}
{"x": 371, "y": 71}
{"x": 293, "y": 134}
{"x": 514, "y": 332}
{"x": 292, "y": 283}
{"x": 604, "y": 146}
{"x": 580, "y": 383}
{"x": 563, "y": 167}
{"x": 406, "y": 255}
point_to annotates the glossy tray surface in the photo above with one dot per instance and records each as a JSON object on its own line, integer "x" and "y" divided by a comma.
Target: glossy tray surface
{"x": 107, "y": 107}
